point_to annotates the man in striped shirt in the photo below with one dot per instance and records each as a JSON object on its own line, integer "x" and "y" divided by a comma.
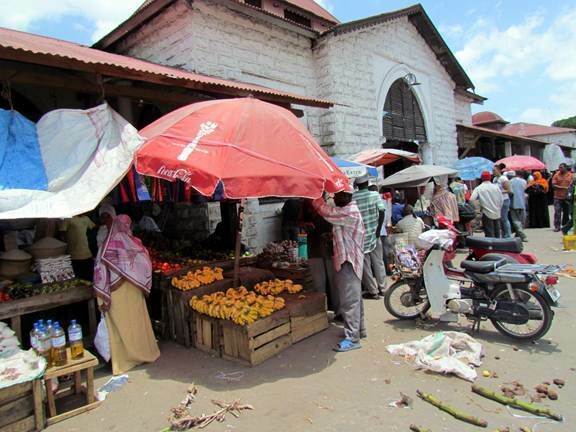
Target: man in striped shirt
{"x": 348, "y": 240}
{"x": 371, "y": 207}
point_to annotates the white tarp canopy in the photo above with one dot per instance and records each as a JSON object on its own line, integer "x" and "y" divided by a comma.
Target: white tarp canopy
{"x": 84, "y": 154}
{"x": 554, "y": 156}
{"x": 418, "y": 175}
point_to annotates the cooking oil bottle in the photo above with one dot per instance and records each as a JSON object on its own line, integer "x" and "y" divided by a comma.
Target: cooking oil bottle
{"x": 59, "y": 357}
{"x": 75, "y": 340}
{"x": 45, "y": 345}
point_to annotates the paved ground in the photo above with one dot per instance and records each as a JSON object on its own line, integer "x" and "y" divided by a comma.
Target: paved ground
{"x": 311, "y": 388}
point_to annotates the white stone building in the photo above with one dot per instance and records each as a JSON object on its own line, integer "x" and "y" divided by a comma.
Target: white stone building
{"x": 392, "y": 77}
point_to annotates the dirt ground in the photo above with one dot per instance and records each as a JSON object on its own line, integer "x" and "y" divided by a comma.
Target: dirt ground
{"x": 310, "y": 387}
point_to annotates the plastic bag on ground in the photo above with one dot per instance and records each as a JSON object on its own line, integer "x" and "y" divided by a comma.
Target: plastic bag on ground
{"x": 443, "y": 352}
{"x": 112, "y": 385}
{"x": 102, "y": 340}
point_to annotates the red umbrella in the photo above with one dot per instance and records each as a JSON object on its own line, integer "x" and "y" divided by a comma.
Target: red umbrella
{"x": 256, "y": 149}
{"x": 520, "y": 162}
{"x": 379, "y": 157}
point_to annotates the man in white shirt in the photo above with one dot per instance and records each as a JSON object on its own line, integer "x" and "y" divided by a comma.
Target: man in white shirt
{"x": 517, "y": 203}
{"x": 411, "y": 225}
{"x": 489, "y": 198}
{"x": 502, "y": 181}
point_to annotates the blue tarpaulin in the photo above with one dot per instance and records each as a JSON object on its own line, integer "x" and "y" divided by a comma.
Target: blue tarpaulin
{"x": 354, "y": 169}
{"x": 21, "y": 165}
{"x": 470, "y": 168}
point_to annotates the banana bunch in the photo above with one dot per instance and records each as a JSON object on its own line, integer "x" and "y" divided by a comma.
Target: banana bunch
{"x": 198, "y": 278}
{"x": 277, "y": 286}
{"x": 237, "y": 305}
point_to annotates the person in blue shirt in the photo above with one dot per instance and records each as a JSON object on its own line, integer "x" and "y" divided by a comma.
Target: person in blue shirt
{"x": 397, "y": 208}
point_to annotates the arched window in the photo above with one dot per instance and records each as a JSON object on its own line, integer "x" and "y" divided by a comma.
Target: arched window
{"x": 403, "y": 123}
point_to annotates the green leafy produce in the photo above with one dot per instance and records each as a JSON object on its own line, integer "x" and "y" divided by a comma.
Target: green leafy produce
{"x": 20, "y": 290}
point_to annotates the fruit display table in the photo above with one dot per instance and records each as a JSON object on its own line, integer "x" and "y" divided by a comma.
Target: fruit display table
{"x": 304, "y": 315}
{"x": 15, "y": 309}
{"x": 164, "y": 300}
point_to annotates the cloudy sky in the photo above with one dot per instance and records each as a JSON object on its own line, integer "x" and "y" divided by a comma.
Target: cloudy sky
{"x": 521, "y": 54}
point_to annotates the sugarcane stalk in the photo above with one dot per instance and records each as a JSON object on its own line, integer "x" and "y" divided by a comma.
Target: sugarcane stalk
{"x": 415, "y": 428}
{"x": 516, "y": 403}
{"x": 450, "y": 410}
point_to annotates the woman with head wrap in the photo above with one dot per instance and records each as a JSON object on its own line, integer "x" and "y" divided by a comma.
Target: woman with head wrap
{"x": 107, "y": 215}
{"x": 538, "y": 215}
{"x": 122, "y": 276}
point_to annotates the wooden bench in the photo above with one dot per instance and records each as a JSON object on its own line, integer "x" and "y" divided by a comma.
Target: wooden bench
{"x": 75, "y": 368}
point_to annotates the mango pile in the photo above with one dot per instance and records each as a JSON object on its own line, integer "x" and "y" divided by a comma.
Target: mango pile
{"x": 277, "y": 286}
{"x": 237, "y": 305}
{"x": 198, "y": 278}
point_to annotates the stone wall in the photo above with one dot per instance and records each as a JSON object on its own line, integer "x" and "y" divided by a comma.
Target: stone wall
{"x": 209, "y": 38}
{"x": 564, "y": 140}
{"x": 356, "y": 70}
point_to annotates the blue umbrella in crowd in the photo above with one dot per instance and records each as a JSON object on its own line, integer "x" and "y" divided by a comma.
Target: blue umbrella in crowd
{"x": 470, "y": 168}
{"x": 354, "y": 169}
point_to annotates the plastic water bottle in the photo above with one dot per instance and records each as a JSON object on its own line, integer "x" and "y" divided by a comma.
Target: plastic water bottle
{"x": 34, "y": 336}
{"x": 49, "y": 327}
{"x": 44, "y": 344}
{"x": 75, "y": 340}
{"x": 59, "y": 357}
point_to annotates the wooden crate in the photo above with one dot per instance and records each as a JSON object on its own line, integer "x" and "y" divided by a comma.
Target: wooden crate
{"x": 308, "y": 314}
{"x": 254, "y": 343}
{"x": 250, "y": 276}
{"x": 298, "y": 275}
{"x": 179, "y": 322}
{"x": 21, "y": 408}
{"x": 303, "y": 316}
{"x": 306, "y": 326}
{"x": 206, "y": 333}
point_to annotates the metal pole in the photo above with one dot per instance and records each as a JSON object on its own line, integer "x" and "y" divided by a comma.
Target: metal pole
{"x": 238, "y": 244}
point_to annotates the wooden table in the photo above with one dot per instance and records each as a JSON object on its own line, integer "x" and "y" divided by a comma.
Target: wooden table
{"x": 14, "y": 309}
{"x": 74, "y": 367}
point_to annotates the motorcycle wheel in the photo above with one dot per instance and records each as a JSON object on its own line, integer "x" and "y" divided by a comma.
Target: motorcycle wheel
{"x": 399, "y": 300}
{"x": 538, "y": 308}
{"x": 497, "y": 257}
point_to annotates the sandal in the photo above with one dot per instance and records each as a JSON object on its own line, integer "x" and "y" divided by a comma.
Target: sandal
{"x": 347, "y": 345}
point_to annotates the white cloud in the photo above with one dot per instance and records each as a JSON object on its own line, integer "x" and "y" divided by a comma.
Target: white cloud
{"x": 105, "y": 14}
{"x": 544, "y": 50}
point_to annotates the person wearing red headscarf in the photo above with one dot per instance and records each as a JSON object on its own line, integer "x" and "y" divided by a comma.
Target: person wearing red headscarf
{"x": 122, "y": 277}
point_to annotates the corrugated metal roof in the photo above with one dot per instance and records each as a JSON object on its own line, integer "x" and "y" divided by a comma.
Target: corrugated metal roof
{"x": 532, "y": 129}
{"x": 498, "y": 134}
{"x": 485, "y": 117}
{"x": 307, "y": 5}
{"x": 35, "y": 49}
{"x": 314, "y": 8}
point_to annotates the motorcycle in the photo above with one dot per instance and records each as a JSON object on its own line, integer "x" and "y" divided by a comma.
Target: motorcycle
{"x": 516, "y": 298}
{"x": 495, "y": 249}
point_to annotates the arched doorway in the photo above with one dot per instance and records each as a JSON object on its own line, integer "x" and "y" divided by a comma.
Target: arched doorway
{"x": 402, "y": 120}
{"x": 402, "y": 123}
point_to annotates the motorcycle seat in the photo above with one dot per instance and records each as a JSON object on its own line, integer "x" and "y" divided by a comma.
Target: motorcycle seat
{"x": 497, "y": 278}
{"x": 481, "y": 267}
{"x": 496, "y": 244}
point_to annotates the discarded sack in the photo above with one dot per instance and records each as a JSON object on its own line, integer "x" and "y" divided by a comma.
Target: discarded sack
{"x": 443, "y": 352}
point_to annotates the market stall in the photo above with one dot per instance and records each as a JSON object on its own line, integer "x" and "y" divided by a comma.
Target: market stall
{"x": 223, "y": 143}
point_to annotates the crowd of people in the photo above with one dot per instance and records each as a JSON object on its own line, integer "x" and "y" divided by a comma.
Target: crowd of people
{"x": 509, "y": 201}
{"x": 348, "y": 234}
